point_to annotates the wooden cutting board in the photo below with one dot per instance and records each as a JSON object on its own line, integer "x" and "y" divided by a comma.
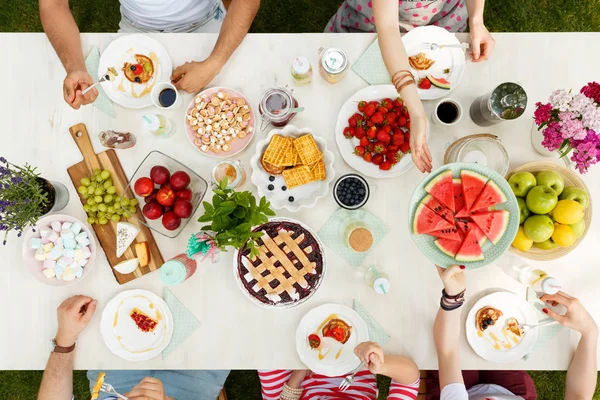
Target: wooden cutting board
{"x": 106, "y": 234}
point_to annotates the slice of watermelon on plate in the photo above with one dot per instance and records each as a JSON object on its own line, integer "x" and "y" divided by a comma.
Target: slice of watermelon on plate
{"x": 448, "y": 247}
{"x": 465, "y": 226}
{"x": 438, "y": 208}
{"x": 472, "y": 185}
{"x": 492, "y": 223}
{"x": 448, "y": 233}
{"x": 442, "y": 188}
{"x": 490, "y": 196}
{"x": 470, "y": 250}
{"x": 427, "y": 221}
{"x": 459, "y": 198}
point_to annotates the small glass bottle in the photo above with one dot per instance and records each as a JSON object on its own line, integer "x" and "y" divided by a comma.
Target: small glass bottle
{"x": 177, "y": 270}
{"x": 529, "y": 275}
{"x": 333, "y": 64}
{"x": 159, "y": 125}
{"x": 302, "y": 70}
{"x": 377, "y": 280}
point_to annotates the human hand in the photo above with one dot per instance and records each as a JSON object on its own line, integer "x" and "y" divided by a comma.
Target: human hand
{"x": 453, "y": 279}
{"x": 577, "y": 317}
{"x": 74, "y": 314}
{"x": 74, "y": 84}
{"x": 147, "y": 389}
{"x": 418, "y": 144}
{"x": 297, "y": 377}
{"x": 193, "y": 76}
{"x": 482, "y": 43}
{"x": 371, "y": 354}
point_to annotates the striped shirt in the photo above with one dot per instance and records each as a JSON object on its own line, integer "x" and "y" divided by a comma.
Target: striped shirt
{"x": 321, "y": 387}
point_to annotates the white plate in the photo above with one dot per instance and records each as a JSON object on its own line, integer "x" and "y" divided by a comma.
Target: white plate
{"x": 453, "y": 58}
{"x": 135, "y": 345}
{"x": 305, "y": 195}
{"x": 511, "y": 306}
{"x": 121, "y": 50}
{"x": 330, "y": 366}
{"x": 346, "y": 146}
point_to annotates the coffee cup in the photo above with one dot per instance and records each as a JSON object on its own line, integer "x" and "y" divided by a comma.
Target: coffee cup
{"x": 447, "y": 112}
{"x": 165, "y": 96}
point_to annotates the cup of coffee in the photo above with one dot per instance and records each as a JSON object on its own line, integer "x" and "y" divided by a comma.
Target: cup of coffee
{"x": 447, "y": 112}
{"x": 164, "y": 95}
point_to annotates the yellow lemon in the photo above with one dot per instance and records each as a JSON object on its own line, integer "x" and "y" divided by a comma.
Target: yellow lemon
{"x": 522, "y": 242}
{"x": 563, "y": 235}
{"x": 568, "y": 212}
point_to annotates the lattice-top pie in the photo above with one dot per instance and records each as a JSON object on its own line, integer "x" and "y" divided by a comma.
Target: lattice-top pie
{"x": 289, "y": 267}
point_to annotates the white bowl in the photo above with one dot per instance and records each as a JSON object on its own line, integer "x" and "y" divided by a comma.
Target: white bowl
{"x": 305, "y": 195}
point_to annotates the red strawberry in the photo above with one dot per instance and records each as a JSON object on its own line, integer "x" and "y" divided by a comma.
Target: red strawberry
{"x": 378, "y": 148}
{"x": 378, "y": 159}
{"x": 369, "y": 123}
{"x": 372, "y": 133}
{"x": 393, "y": 148}
{"x": 368, "y": 157}
{"x": 370, "y": 147}
{"x": 402, "y": 121}
{"x": 383, "y": 110}
{"x": 398, "y": 139}
{"x": 424, "y": 84}
{"x": 386, "y": 166}
{"x": 387, "y": 129}
{"x": 360, "y": 132}
{"x": 352, "y": 121}
{"x": 364, "y": 141}
{"x": 387, "y": 103}
{"x": 370, "y": 109}
{"x": 407, "y": 125}
{"x": 405, "y": 147}
{"x": 393, "y": 157}
{"x": 405, "y": 112}
{"x": 383, "y": 137}
{"x": 359, "y": 151}
{"x": 390, "y": 118}
{"x": 398, "y": 102}
{"x": 353, "y": 131}
{"x": 362, "y": 105}
{"x": 347, "y": 133}
{"x": 377, "y": 118}
{"x": 407, "y": 137}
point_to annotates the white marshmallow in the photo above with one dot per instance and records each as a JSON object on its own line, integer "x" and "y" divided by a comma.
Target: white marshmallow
{"x": 40, "y": 255}
{"x": 53, "y": 237}
{"x": 76, "y": 228}
{"x": 69, "y": 243}
{"x": 45, "y": 232}
{"x": 49, "y": 264}
{"x": 78, "y": 255}
{"x": 66, "y": 225}
{"x": 87, "y": 253}
{"x": 56, "y": 226}
{"x": 49, "y": 273}
{"x": 48, "y": 247}
{"x": 81, "y": 237}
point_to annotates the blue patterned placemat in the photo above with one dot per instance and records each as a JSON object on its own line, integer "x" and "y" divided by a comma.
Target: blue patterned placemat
{"x": 376, "y": 331}
{"x": 545, "y": 333}
{"x": 332, "y": 233}
{"x": 184, "y": 323}
{"x": 370, "y": 66}
{"x": 103, "y": 103}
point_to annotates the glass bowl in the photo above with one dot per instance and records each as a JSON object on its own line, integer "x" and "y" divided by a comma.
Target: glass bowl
{"x": 197, "y": 184}
{"x": 485, "y": 151}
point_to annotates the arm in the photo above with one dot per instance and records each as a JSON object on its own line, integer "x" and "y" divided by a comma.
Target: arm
{"x": 582, "y": 374}
{"x": 401, "y": 369}
{"x": 482, "y": 42}
{"x": 193, "y": 76}
{"x": 73, "y": 316}
{"x": 396, "y": 59}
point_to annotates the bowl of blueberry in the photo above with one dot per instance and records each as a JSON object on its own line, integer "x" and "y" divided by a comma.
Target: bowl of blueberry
{"x": 351, "y": 191}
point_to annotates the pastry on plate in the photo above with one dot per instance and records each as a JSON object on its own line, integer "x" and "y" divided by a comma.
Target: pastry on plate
{"x": 420, "y": 62}
{"x": 277, "y": 150}
{"x": 486, "y": 317}
{"x": 141, "y": 72}
{"x": 144, "y": 322}
{"x": 98, "y": 386}
{"x": 338, "y": 330}
{"x": 270, "y": 168}
{"x": 513, "y": 326}
{"x": 307, "y": 149}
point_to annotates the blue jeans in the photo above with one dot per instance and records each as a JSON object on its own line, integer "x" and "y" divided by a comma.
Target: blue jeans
{"x": 179, "y": 385}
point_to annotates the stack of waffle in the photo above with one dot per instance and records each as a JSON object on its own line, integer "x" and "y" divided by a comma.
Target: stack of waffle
{"x": 297, "y": 159}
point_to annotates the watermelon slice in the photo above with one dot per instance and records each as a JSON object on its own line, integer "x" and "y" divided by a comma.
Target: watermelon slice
{"x": 427, "y": 221}
{"x": 439, "y": 82}
{"x": 438, "y": 208}
{"x": 442, "y": 188}
{"x": 493, "y": 224}
{"x": 490, "y": 195}
{"x": 448, "y": 233}
{"x": 472, "y": 185}
{"x": 459, "y": 199}
{"x": 465, "y": 226}
{"x": 448, "y": 247}
{"x": 470, "y": 250}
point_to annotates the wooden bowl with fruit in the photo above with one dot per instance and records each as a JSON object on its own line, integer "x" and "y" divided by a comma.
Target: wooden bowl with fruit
{"x": 556, "y": 210}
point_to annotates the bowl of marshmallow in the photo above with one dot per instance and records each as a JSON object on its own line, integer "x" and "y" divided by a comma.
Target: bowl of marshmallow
{"x": 59, "y": 250}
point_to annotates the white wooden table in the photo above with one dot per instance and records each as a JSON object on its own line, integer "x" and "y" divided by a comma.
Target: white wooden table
{"x": 236, "y": 334}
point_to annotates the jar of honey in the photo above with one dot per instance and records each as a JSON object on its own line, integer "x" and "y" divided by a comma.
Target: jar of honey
{"x": 276, "y": 107}
{"x": 333, "y": 64}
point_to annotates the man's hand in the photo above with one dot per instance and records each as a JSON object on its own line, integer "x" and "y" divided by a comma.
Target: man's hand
{"x": 147, "y": 389}
{"x": 371, "y": 354}
{"x": 74, "y": 314}
{"x": 482, "y": 43}
{"x": 73, "y": 86}
{"x": 453, "y": 279}
{"x": 577, "y": 317}
{"x": 193, "y": 76}
{"x": 418, "y": 144}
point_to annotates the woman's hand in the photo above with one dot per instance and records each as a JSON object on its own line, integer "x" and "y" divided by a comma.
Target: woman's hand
{"x": 453, "y": 279}
{"x": 418, "y": 144}
{"x": 297, "y": 377}
{"x": 482, "y": 43}
{"x": 576, "y": 318}
{"x": 372, "y": 355}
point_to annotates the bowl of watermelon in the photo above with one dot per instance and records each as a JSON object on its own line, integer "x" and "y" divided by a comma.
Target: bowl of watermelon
{"x": 463, "y": 214}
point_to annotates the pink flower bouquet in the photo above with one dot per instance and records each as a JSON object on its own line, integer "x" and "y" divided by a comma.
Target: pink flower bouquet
{"x": 569, "y": 123}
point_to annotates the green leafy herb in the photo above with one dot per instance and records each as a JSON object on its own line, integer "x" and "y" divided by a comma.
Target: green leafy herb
{"x": 232, "y": 215}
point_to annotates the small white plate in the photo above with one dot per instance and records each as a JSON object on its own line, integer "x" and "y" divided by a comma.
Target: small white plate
{"x": 122, "y": 335}
{"x": 346, "y": 146}
{"x": 511, "y": 306}
{"x": 122, "y": 50}
{"x": 452, "y": 58}
{"x": 305, "y": 195}
{"x": 329, "y": 365}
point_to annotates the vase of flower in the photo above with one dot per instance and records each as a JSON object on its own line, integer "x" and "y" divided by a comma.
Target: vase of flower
{"x": 567, "y": 125}
{"x": 25, "y": 197}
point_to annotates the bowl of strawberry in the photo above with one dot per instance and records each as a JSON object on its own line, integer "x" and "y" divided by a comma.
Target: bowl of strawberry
{"x": 169, "y": 193}
{"x": 373, "y": 132}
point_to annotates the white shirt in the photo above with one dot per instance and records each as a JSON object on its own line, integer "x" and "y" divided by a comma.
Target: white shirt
{"x": 457, "y": 391}
{"x": 167, "y": 14}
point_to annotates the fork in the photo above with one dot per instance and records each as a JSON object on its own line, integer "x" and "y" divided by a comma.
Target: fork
{"x": 435, "y": 46}
{"x": 108, "y": 388}
{"x": 347, "y": 382}
{"x": 106, "y": 77}
{"x": 526, "y": 328}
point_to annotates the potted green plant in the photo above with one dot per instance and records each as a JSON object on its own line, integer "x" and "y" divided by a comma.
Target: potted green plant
{"x": 25, "y": 197}
{"x": 232, "y": 215}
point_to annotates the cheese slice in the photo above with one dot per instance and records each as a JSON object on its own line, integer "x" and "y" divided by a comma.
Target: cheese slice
{"x": 127, "y": 266}
{"x": 126, "y": 234}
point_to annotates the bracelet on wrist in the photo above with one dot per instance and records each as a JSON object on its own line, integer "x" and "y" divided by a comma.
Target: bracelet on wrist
{"x": 452, "y": 302}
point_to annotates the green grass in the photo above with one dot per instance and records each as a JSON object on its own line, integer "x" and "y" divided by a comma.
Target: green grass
{"x": 300, "y": 16}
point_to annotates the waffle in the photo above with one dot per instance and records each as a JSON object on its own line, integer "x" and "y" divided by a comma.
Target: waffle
{"x": 307, "y": 149}
{"x": 318, "y": 171}
{"x": 291, "y": 157}
{"x": 277, "y": 150}
{"x": 297, "y": 176}
{"x": 270, "y": 168}
{"x": 420, "y": 62}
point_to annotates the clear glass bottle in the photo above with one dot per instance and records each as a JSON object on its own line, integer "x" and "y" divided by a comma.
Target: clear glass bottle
{"x": 529, "y": 275}
{"x": 276, "y": 106}
{"x": 159, "y": 125}
{"x": 377, "y": 280}
{"x": 302, "y": 70}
